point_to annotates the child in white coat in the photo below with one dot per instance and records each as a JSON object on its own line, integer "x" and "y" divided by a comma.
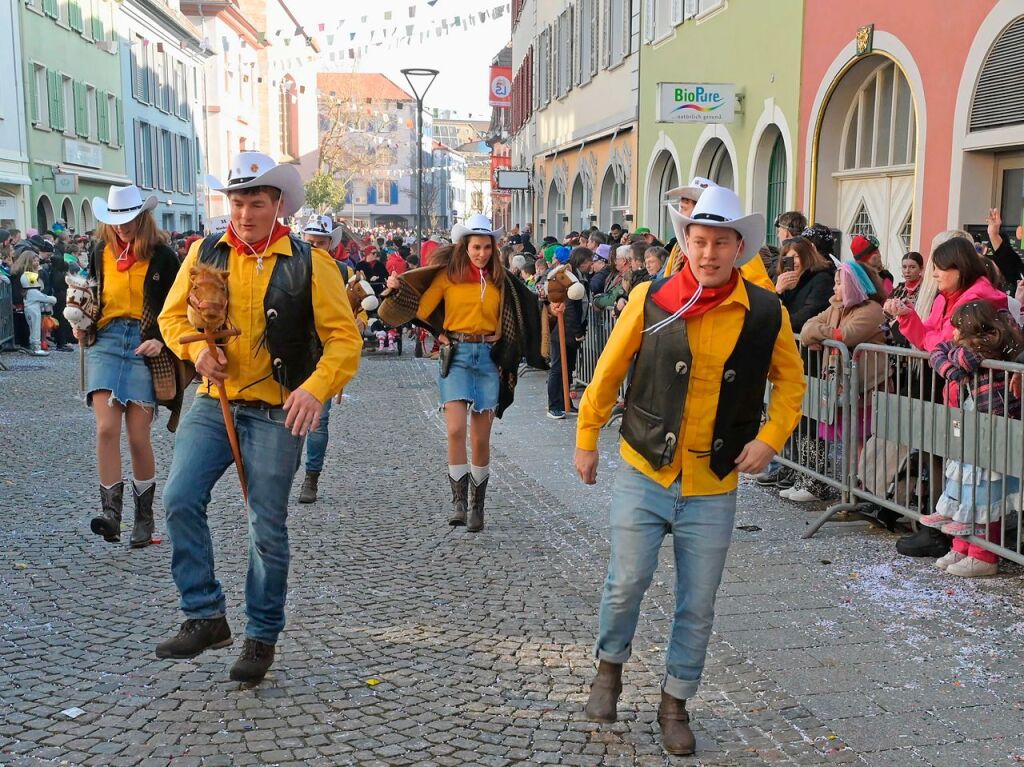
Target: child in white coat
{"x": 34, "y": 300}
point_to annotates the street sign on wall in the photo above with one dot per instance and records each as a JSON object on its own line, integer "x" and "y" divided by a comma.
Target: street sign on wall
{"x": 513, "y": 179}
{"x": 696, "y": 102}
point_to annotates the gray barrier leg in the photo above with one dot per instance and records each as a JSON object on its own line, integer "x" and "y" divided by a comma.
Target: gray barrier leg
{"x": 826, "y": 515}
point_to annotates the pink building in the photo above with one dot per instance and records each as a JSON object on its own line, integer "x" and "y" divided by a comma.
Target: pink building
{"x": 912, "y": 117}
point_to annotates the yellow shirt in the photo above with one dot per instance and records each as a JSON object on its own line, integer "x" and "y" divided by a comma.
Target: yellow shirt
{"x": 122, "y": 291}
{"x": 712, "y": 337}
{"x": 248, "y": 369}
{"x": 753, "y": 270}
{"x": 465, "y": 310}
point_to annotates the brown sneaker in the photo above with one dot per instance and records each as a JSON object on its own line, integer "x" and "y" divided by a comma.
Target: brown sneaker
{"x": 604, "y": 693}
{"x": 196, "y": 635}
{"x": 254, "y": 662}
{"x": 310, "y": 487}
{"x": 676, "y": 735}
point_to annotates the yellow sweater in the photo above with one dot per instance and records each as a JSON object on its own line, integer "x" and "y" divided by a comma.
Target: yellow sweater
{"x": 122, "y": 291}
{"x": 712, "y": 337}
{"x": 248, "y": 368}
{"x": 465, "y": 310}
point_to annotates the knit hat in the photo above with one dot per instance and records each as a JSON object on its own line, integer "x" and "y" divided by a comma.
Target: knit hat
{"x": 862, "y": 246}
{"x": 603, "y": 253}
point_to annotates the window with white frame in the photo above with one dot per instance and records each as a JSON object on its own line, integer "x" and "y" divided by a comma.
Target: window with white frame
{"x": 584, "y": 45}
{"x": 40, "y": 103}
{"x": 565, "y": 52}
{"x": 881, "y": 128}
{"x": 68, "y": 95}
{"x": 544, "y": 68}
{"x": 619, "y": 23}
{"x": 659, "y": 19}
{"x": 700, "y": 7}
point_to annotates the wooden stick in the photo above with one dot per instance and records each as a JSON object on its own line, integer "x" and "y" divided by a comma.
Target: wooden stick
{"x": 211, "y": 339}
{"x": 565, "y": 362}
{"x": 81, "y": 366}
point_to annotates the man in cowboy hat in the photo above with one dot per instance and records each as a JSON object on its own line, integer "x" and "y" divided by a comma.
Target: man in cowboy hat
{"x": 282, "y": 296}
{"x": 716, "y": 338}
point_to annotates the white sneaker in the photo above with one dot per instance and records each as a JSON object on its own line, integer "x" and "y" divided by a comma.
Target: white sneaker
{"x": 802, "y": 496}
{"x": 40, "y": 353}
{"x": 969, "y": 567}
{"x": 785, "y": 493}
{"x": 949, "y": 559}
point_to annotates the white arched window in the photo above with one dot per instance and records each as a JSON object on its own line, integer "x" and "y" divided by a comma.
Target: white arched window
{"x": 881, "y": 125}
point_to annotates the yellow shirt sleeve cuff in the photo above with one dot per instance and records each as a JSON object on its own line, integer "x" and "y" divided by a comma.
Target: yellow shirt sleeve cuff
{"x": 316, "y": 388}
{"x": 774, "y": 435}
{"x": 586, "y": 439}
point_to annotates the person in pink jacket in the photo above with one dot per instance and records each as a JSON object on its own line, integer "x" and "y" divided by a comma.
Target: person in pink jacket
{"x": 961, "y": 278}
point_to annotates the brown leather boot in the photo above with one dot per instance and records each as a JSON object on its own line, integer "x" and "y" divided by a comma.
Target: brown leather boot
{"x": 460, "y": 500}
{"x": 604, "y": 693}
{"x": 676, "y": 735}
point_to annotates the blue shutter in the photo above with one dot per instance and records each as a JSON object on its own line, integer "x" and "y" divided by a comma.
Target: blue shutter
{"x": 371, "y": 194}
{"x": 394, "y": 193}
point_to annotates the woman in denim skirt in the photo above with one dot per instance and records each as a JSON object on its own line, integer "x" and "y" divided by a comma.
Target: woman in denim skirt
{"x": 134, "y": 269}
{"x": 471, "y": 288}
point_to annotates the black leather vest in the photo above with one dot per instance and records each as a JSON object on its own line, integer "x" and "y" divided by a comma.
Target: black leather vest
{"x": 656, "y": 397}
{"x": 288, "y": 306}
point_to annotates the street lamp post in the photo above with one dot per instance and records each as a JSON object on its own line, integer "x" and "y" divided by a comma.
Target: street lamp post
{"x": 427, "y": 76}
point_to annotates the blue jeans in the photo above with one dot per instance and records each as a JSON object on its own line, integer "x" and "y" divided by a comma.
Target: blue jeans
{"x": 202, "y": 454}
{"x": 316, "y": 441}
{"x": 642, "y": 513}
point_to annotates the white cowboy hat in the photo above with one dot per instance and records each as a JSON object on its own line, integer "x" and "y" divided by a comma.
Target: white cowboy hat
{"x": 691, "y": 192}
{"x": 323, "y": 226}
{"x": 123, "y": 204}
{"x": 720, "y": 208}
{"x": 476, "y": 224}
{"x": 249, "y": 169}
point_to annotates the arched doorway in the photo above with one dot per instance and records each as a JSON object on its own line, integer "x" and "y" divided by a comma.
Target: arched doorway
{"x": 578, "y": 208}
{"x": 866, "y": 157}
{"x": 715, "y": 163}
{"x": 67, "y": 212}
{"x": 664, "y": 176}
{"x": 88, "y": 222}
{"x": 770, "y": 174}
{"x": 556, "y": 211}
{"x": 614, "y": 199}
{"x": 44, "y": 213}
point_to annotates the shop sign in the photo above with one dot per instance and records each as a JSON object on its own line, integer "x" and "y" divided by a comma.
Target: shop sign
{"x": 65, "y": 183}
{"x": 696, "y": 102}
{"x": 501, "y": 87}
{"x": 81, "y": 153}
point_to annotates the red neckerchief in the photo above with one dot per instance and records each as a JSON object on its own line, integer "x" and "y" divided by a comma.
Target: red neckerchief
{"x": 246, "y": 249}
{"x": 124, "y": 256}
{"x": 682, "y": 286}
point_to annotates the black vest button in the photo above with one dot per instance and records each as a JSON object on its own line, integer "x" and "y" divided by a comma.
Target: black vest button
{"x": 681, "y": 368}
{"x": 717, "y": 445}
{"x": 730, "y": 376}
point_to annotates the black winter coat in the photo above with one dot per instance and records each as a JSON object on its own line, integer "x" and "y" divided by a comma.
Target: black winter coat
{"x": 810, "y": 297}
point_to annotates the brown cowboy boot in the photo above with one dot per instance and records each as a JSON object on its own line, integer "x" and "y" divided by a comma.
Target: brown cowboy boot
{"x": 476, "y": 508}
{"x": 676, "y": 735}
{"x": 460, "y": 500}
{"x": 108, "y": 522}
{"x": 142, "y": 527}
{"x": 604, "y": 693}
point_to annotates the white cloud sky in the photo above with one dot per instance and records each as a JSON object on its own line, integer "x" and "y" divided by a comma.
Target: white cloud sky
{"x": 463, "y": 57}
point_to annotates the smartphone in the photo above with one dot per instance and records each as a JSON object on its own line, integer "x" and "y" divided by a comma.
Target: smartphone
{"x": 787, "y": 264}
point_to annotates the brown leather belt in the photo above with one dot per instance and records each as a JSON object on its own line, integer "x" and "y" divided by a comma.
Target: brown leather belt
{"x": 472, "y": 338}
{"x": 255, "y": 404}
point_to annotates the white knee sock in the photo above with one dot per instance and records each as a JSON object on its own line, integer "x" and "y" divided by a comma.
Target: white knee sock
{"x": 458, "y": 470}
{"x": 107, "y": 487}
{"x": 480, "y": 473}
{"x": 142, "y": 485}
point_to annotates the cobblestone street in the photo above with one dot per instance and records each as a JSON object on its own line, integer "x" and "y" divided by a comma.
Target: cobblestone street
{"x": 412, "y": 643}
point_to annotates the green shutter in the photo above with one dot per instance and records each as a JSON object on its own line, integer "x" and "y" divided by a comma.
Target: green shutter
{"x": 120, "y": 122}
{"x": 75, "y": 16}
{"x": 51, "y": 8}
{"x": 102, "y": 116}
{"x": 97, "y": 29}
{"x": 33, "y": 93}
{"x": 81, "y": 110}
{"x": 55, "y": 94}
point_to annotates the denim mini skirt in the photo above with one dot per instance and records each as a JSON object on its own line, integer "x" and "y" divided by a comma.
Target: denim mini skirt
{"x": 112, "y": 365}
{"x": 472, "y": 378}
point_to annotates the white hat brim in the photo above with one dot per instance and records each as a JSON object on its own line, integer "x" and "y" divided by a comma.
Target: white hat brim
{"x": 460, "y": 232}
{"x": 684, "y": 192}
{"x": 117, "y": 218}
{"x": 750, "y": 228}
{"x": 283, "y": 177}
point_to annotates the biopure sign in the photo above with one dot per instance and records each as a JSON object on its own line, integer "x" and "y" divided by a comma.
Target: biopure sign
{"x": 696, "y": 102}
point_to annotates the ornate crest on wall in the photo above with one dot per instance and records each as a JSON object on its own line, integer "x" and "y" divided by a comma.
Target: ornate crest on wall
{"x": 865, "y": 39}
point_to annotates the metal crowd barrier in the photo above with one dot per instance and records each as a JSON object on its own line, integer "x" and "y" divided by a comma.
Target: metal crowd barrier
{"x": 599, "y": 328}
{"x": 6, "y": 314}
